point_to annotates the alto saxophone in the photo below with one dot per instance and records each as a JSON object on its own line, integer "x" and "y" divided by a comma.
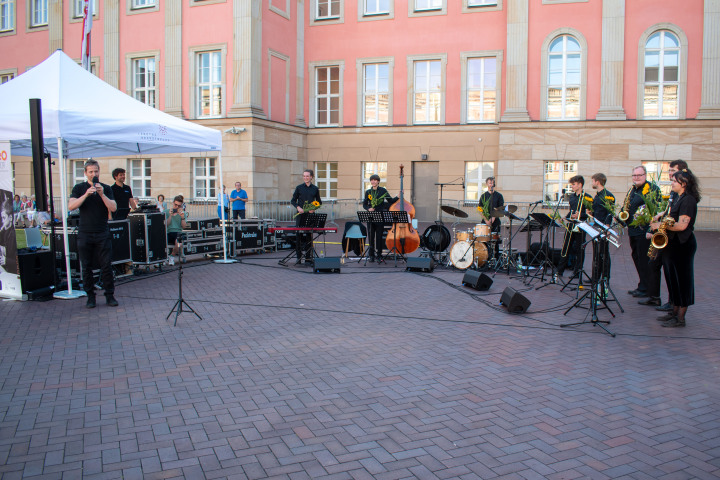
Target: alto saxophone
{"x": 659, "y": 239}
{"x": 623, "y": 216}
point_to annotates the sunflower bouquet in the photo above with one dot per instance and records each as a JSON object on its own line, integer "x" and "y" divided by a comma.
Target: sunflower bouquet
{"x": 376, "y": 200}
{"x": 587, "y": 202}
{"x": 484, "y": 207}
{"x": 608, "y": 202}
{"x": 654, "y": 204}
{"x": 309, "y": 207}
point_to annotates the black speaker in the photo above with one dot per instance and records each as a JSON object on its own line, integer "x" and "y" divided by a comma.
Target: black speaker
{"x": 515, "y": 302}
{"x": 36, "y": 270}
{"x": 327, "y": 264}
{"x": 419, "y": 264}
{"x": 477, "y": 280}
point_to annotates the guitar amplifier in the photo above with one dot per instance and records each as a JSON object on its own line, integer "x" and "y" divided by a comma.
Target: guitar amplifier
{"x": 120, "y": 239}
{"x": 148, "y": 237}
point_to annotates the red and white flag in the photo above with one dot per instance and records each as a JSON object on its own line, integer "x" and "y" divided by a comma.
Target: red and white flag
{"x": 87, "y": 26}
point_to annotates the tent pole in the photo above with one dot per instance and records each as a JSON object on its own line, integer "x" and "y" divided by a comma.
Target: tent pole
{"x": 66, "y": 294}
{"x": 223, "y": 217}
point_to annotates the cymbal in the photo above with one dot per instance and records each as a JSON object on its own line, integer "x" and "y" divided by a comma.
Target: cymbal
{"x": 503, "y": 211}
{"x": 455, "y": 212}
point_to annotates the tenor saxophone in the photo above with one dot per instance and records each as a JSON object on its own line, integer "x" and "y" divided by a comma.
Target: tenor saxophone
{"x": 623, "y": 216}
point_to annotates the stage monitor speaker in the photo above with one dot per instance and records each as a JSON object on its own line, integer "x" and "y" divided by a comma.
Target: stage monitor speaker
{"x": 514, "y": 301}
{"x": 36, "y": 270}
{"x": 327, "y": 265}
{"x": 477, "y": 280}
{"x": 419, "y": 264}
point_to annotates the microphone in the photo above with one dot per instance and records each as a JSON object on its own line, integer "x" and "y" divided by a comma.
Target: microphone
{"x": 537, "y": 203}
{"x": 95, "y": 180}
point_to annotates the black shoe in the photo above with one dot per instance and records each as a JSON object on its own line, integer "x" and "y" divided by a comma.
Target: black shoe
{"x": 90, "y": 302}
{"x": 667, "y": 307}
{"x": 639, "y": 294}
{"x": 674, "y": 323}
{"x": 110, "y": 300}
{"x": 650, "y": 301}
{"x": 371, "y": 259}
{"x": 633, "y": 292}
{"x": 666, "y": 317}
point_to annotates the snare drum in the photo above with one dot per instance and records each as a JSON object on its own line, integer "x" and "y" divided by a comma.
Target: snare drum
{"x": 482, "y": 232}
{"x": 464, "y": 236}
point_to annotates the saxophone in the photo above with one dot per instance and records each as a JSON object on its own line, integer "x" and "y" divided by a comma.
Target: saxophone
{"x": 659, "y": 239}
{"x": 623, "y": 216}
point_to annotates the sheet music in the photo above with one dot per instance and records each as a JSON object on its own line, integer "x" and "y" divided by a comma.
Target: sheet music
{"x": 606, "y": 228}
{"x": 588, "y": 229}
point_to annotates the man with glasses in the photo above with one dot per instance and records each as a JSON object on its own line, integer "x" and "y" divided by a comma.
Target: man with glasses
{"x": 95, "y": 201}
{"x": 175, "y": 222}
{"x": 639, "y": 242}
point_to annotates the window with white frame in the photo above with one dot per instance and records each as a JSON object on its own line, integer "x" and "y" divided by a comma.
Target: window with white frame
{"x": 204, "y": 178}
{"x": 7, "y": 15}
{"x": 78, "y": 172}
{"x": 481, "y": 89}
{"x": 480, "y": 3}
{"x": 564, "y": 79}
{"x": 662, "y": 79}
{"x": 428, "y": 4}
{"x": 475, "y": 175}
{"x": 143, "y": 80}
{"x": 557, "y": 174}
{"x": 208, "y": 84}
{"x": 376, "y": 7}
{"x": 659, "y": 172}
{"x": 327, "y": 9}
{"x": 143, "y": 3}
{"x": 6, "y": 77}
{"x": 78, "y": 6}
{"x": 376, "y": 94}
{"x": 327, "y": 95}
{"x": 326, "y": 176}
{"x": 38, "y": 13}
{"x": 373, "y": 168}
{"x": 427, "y": 91}
{"x": 140, "y": 177}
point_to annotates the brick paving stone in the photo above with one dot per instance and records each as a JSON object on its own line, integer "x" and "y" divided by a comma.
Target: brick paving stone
{"x": 435, "y": 381}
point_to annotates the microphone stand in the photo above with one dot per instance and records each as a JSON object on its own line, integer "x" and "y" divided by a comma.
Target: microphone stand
{"x": 441, "y": 193}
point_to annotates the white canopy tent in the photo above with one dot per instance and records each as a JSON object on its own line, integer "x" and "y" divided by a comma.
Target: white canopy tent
{"x": 85, "y": 117}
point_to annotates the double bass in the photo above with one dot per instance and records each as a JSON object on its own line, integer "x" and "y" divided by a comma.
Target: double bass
{"x": 402, "y": 237}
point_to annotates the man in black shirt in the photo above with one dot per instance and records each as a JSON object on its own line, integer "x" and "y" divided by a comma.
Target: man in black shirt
{"x": 305, "y": 192}
{"x": 600, "y": 212}
{"x": 123, "y": 195}
{"x": 95, "y": 201}
{"x": 639, "y": 243}
{"x": 375, "y": 229}
{"x": 572, "y": 242}
{"x": 496, "y": 201}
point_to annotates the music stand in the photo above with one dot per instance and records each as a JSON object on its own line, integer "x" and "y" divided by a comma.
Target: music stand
{"x": 396, "y": 218}
{"x": 545, "y": 221}
{"x": 376, "y": 216}
{"x": 178, "y": 307}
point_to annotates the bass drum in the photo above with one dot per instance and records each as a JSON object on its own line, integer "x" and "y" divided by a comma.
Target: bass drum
{"x": 436, "y": 238}
{"x": 462, "y": 255}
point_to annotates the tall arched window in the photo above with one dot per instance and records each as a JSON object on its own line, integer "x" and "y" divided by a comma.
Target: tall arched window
{"x": 662, "y": 76}
{"x": 564, "y": 78}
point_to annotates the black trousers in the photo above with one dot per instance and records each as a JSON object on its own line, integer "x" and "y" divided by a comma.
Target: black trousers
{"x": 239, "y": 214}
{"x": 601, "y": 254}
{"x": 654, "y": 272}
{"x": 303, "y": 241}
{"x": 639, "y": 246}
{"x": 375, "y": 236}
{"x": 95, "y": 250}
{"x": 679, "y": 263}
{"x": 572, "y": 244}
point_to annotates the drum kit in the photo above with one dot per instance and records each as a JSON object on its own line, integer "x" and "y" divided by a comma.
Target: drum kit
{"x": 471, "y": 247}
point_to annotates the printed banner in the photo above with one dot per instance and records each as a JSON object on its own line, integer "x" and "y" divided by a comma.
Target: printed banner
{"x": 9, "y": 279}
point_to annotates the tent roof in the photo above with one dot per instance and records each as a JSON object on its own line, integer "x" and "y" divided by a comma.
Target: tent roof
{"x": 93, "y": 118}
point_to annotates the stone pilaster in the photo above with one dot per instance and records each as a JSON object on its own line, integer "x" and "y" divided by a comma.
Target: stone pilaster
{"x": 111, "y": 44}
{"x": 517, "y": 62}
{"x": 612, "y": 58}
{"x": 710, "y": 94}
{"x": 173, "y": 58}
{"x": 55, "y": 25}
{"x": 300, "y": 66}
{"x": 247, "y": 59}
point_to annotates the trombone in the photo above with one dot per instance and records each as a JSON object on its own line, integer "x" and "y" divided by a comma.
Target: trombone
{"x": 568, "y": 230}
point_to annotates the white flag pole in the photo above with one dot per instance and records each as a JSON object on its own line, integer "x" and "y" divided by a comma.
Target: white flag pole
{"x": 87, "y": 28}
{"x": 223, "y": 216}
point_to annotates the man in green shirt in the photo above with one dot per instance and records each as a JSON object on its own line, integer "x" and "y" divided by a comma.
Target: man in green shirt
{"x": 175, "y": 222}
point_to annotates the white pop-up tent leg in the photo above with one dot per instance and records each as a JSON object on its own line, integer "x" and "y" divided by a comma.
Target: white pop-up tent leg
{"x": 224, "y": 220}
{"x": 69, "y": 293}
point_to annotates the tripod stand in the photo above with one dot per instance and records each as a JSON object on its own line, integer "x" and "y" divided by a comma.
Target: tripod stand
{"x": 595, "y": 294}
{"x": 178, "y": 307}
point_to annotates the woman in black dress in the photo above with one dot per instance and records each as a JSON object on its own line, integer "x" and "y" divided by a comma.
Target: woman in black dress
{"x": 679, "y": 257}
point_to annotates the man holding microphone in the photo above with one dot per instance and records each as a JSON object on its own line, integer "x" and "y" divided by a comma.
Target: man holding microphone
{"x": 95, "y": 201}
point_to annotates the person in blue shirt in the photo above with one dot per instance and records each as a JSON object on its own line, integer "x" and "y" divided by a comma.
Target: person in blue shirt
{"x": 223, "y": 204}
{"x": 238, "y": 198}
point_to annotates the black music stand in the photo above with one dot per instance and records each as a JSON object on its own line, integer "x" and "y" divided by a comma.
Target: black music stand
{"x": 178, "y": 307}
{"x": 376, "y": 216}
{"x": 593, "y": 294}
{"x": 546, "y": 222}
{"x": 396, "y": 218}
{"x": 311, "y": 221}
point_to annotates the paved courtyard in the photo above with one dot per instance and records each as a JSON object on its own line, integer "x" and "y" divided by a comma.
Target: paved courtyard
{"x": 371, "y": 373}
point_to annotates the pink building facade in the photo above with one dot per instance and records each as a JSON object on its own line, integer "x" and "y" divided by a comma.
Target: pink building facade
{"x": 530, "y": 91}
